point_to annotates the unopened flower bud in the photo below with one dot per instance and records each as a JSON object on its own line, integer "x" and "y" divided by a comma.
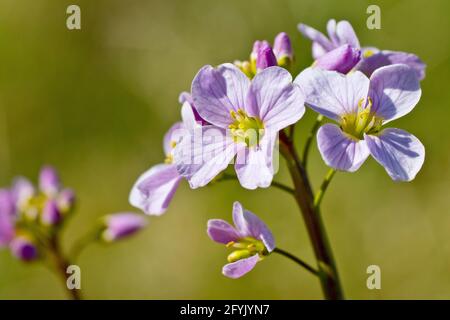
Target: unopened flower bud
{"x": 282, "y": 49}
{"x": 341, "y": 59}
{"x": 49, "y": 182}
{"x": 51, "y": 214}
{"x": 121, "y": 225}
{"x": 266, "y": 58}
{"x": 24, "y": 248}
{"x": 66, "y": 200}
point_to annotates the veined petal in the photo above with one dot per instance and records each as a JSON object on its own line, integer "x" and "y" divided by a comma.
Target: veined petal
{"x": 239, "y": 268}
{"x": 398, "y": 151}
{"x": 249, "y": 225}
{"x": 204, "y": 153}
{"x": 172, "y": 137}
{"x": 315, "y": 36}
{"x": 386, "y": 57}
{"x": 154, "y": 189}
{"x": 339, "y": 151}
{"x": 221, "y": 231}
{"x": 275, "y": 99}
{"x": 216, "y": 91}
{"x": 333, "y": 94}
{"x": 254, "y": 165}
{"x": 346, "y": 34}
{"x": 395, "y": 90}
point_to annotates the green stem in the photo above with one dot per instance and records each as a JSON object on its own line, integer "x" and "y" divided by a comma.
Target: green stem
{"x": 311, "y": 215}
{"x": 279, "y": 185}
{"x": 82, "y": 243}
{"x": 61, "y": 265}
{"x": 310, "y": 138}
{"x": 296, "y": 260}
{"x": 323, "y": 187}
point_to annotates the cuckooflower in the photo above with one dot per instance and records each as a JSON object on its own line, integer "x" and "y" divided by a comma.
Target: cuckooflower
{"x": 120, "y": 225}
{"x": 246, "y": 117}
{"x": 156, "y": 187}
{"x": 342, "y": 33}
{"x": 361, "y": 106}
{"x": 250, "y": 239}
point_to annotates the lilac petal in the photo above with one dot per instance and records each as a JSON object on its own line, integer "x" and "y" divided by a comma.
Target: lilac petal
{"x": 121, "y": 225}
{"x": 254, "y": 165}
{"x": 221, "y": 231}
{"x": 338, "y": 150}
{"x": 395, "y": 90}
{"x": 23, "y": 249}
{"x": 317, "y": 50}
{"x": 346, "y": 34}
{"x": 204, "y": 153}
{"x": 172, "y": 136}
{"x": 398, "y": 151}
{"x": 331, "y": 30}
{"x": 7, "y": 213}
{"x": 315, "y": 36}
{"x": 341, "y": 59}
{"x": 249, "y": 225}
{"x": 154, "y": 189}
{"x": 239, "y": 268}
{"x": 275, "y": 99}
{"x": 217, "y": 91}
{"x": 66, "y": 200}
{"x": 384, "y": 58}
{"x": 331, "y": 93}
{"x": 185, "y": 97}
{"x": 49, "y": 182}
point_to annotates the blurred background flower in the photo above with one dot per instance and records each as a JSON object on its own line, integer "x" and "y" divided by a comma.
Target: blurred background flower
{"x": 97, "y": 102}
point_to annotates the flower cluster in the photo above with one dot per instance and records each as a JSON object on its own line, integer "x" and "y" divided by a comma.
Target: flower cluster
{"x": 24, "y": 209}
{"x": 31, "y": 217}
{"x": 235, "y": 113}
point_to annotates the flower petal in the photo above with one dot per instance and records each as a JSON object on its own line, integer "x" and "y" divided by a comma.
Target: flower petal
{"x": 315, "y": 36}
{"x": 239, "y": 268}
{"x": 384, "y": 58}
{"x": 203, "y": 154}
{"x": 317, "y": 50}
{"x": 7, "y": 212}
{"x": 249, "y": 225}
{"x": 123, "y": 224}
{"x": 395, "y": 90}
{"x": 221, "y": 231}
{"x": 398, "y": 151}
{"x": 172, "y": 136}
{"x": 254, "y": 166}
{"x": 339, "y": 151}
{"x": 216, "y": 91}
{"x": 275, "y": 99}
{"x": 154, "y": 189}
{"x": 346, "y": 34}
{"x": 331, "y": 93}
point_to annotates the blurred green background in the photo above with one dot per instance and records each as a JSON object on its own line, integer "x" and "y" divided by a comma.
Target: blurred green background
{"x": 95, "y": 103}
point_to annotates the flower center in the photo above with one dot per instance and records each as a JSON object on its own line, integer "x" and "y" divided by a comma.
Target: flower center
{"x": 246, "y": 247}
{"x": 245, "y": 128}
{"x": 363, "y": 121}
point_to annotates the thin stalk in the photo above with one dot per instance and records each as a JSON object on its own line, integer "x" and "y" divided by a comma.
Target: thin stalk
{"x": 61, "y": 265}
{"x": 309, "y": 140}
{"x": 296, "y": 260}
{"x": 323, "y": 187}
{"x": 311, "y": 215}
{"x": 279, "y": 185}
